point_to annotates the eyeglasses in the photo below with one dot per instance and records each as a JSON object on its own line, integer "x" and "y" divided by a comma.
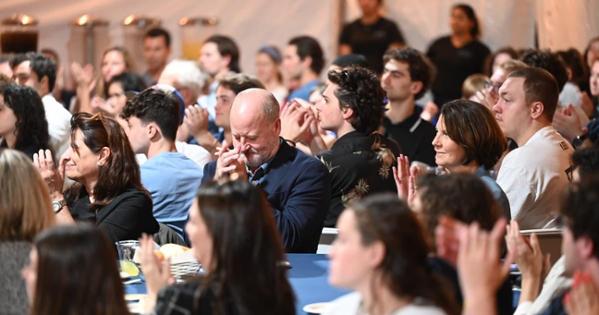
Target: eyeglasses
{"x": 570, "y": 172}
{"x": 493, "y": 86}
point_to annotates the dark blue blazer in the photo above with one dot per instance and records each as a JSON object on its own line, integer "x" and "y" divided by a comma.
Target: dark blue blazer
{"x": 298, "y": 189}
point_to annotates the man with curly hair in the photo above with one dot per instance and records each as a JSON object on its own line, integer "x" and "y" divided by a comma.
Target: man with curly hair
{"x": 361, "y": 159}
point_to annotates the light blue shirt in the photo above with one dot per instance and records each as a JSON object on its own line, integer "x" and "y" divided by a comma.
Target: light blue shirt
{"x": 303, "y": 92}
{"x": 173, "y": 180}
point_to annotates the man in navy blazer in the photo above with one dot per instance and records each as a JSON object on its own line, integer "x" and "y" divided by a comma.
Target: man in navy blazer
{"x": 297, "y": 186}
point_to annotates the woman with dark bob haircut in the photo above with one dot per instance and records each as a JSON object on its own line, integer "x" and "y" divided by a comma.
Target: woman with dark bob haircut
{"x": 233, "y": 235}
{"x": 23, "y": 124}
{"x": 108, "y": 191}
{"x": 72, "y": 270}
{"x": 382, "y": 254}
{"x": 468, "y": 140}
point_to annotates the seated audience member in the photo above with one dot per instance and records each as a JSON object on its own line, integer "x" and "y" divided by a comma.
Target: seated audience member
{"x": 219, "y": 56}
{"x": 233, "y": 235}
{"x": 108, "y": 191}
{"x": 536, "y": 292}
{"x": 268, "y": 64}
{"x": 73, "y": 270}
{"x": 457, "y": 55}
{"x": 577, "y": 82}
{"x": 498, "y": 58}
{"x": 591, "y": 52}
{"x": 23, "y": 124}
{"x": 196, "y": 118}
{"x": 297, "y": 186}
{"x": 406, "y": 77}
{"x": 26, "y": 210}
{"x": 371, "y": 35}
{"x": 579, "y": 246}
{"x": 187, "y": 78}
{"x": 360, "y": 160}
{"x": 157, "y": 50}
{"x": 490, "y": 94}
{"x": 533, "y": 175}
{"x": 90, "y": 88}
{"x": 466, "y": 199}
{"x": 189, "y": 81}
{"x": 62, "y": 91}
{"x": 39, "y": 73}
{"x": 382, "y": 254}
{"x": 303, "y": 61}
{"x": 194, "y": 152}
{"x": 299, "y": 121}
{"x": 472, "y": 84}
{"x": 568, "y": 120}
{"x": 116, "y": 92}
{"x": 153, "y": 119}
{"x": 468, "y": 140}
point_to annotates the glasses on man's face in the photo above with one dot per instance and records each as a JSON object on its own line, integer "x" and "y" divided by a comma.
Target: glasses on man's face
{"x": 493, "y": 86}
{"x": 570, "y": 172}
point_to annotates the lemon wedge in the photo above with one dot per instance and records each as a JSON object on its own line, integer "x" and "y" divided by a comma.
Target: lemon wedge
{"x": 129, "y": 269}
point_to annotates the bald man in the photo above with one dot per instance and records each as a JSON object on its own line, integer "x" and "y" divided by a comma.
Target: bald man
{"x": 297, "y": 185}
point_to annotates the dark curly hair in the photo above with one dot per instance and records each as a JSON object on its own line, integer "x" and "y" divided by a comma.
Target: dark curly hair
{"x": 473, "y": 127}
{"x": 121, "y": 171}
{"x": 404, "y": 269}
{"x": 360, "y": 90}
{"x": 31, "y": 127}
{"x": 421, "y": 69}
{"x": 158, "y": 106}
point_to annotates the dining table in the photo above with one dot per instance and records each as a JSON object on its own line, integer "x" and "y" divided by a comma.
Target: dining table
{"x": 308, "y": 275}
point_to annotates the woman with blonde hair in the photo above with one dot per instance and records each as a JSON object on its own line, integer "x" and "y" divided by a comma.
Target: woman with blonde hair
{"x": 91, "y": 88}
{"x": 25, "y": 210}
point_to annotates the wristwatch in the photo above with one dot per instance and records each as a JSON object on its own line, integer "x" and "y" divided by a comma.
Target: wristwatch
{"x": 57, "y": 205}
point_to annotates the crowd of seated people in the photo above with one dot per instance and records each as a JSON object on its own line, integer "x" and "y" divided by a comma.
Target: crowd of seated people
{"x": 429, "y": 195}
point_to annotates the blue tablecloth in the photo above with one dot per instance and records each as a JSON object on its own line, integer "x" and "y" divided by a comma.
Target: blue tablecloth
{"x": 308, "y": 277}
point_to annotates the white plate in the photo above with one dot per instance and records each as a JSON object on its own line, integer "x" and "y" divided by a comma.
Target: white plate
{"x": 316, "y": 308}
